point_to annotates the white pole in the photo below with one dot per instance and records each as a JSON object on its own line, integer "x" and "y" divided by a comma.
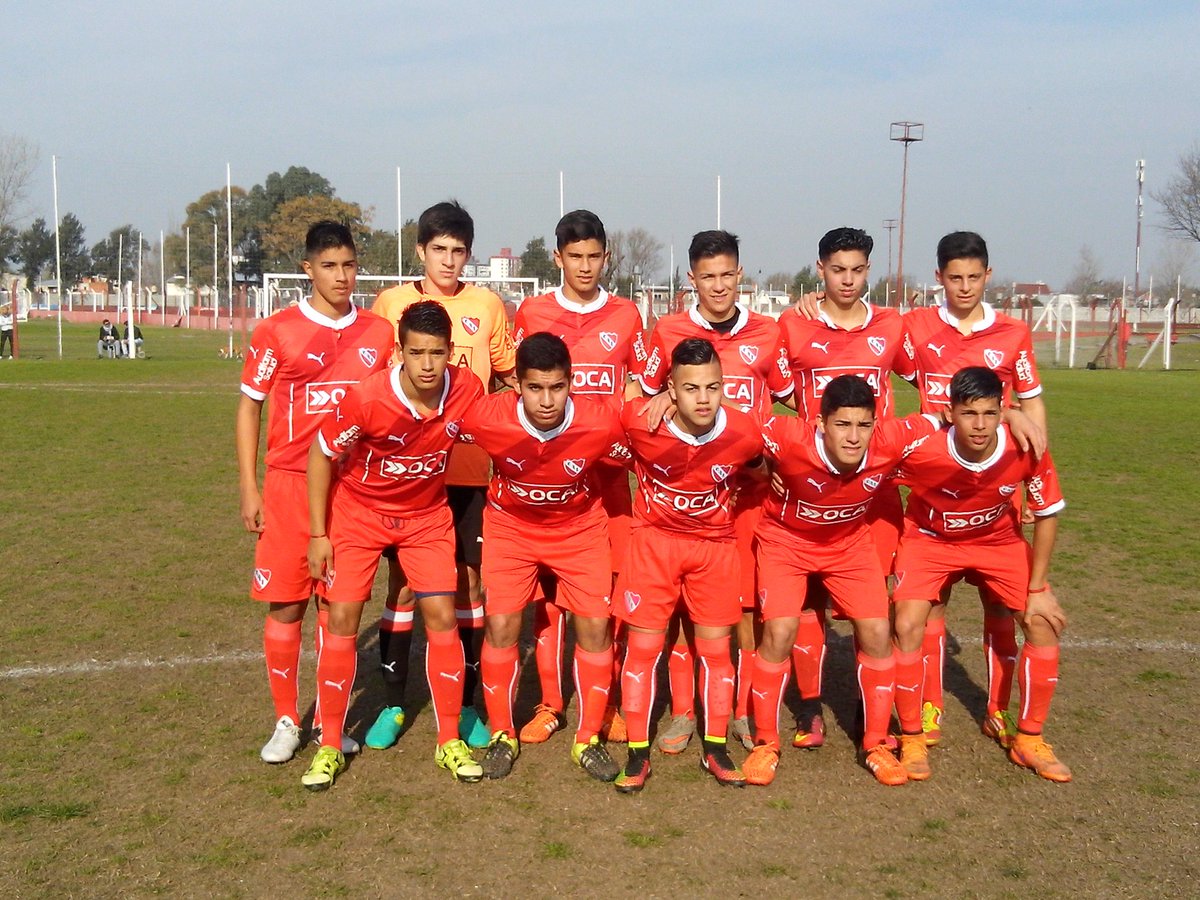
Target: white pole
{"x": 562, "y": 207}
{"x": 57, "y": 255}
{"x": 229, "y": 248}
{"x": 1168, "y": 315}
{"x": 120, "y": 265}
{"x": 187, "y": 277}
{"x": 132, "y": 303}
{"x": 399, "y": 230}
{"x": 162, "y": 274}
{"x": 216, "y": 272}
{"x": 718, "y": 202}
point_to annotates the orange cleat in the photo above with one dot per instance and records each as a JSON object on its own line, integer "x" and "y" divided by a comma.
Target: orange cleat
{"x": 546, "y": 720}
{"x": 613, "y": 729}
{"x": 914, "y": 756}
{"x": 884, "y": 766}
{"x": 1032, "y": 752}
{"x": 759, "y": 767}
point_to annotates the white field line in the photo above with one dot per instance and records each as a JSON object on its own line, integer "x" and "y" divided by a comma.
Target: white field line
{"x": 117, "y": 389}
{"x": 99, "y": 666}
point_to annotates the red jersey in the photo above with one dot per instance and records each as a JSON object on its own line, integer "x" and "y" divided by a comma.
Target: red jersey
{"x": 753, "y": 360}
{"x": 818, "y": 351}
{"x": 544, "y": 477}
{"x": 685, "y": 483}
{"x": 604, "y": 337}
{"x": 821, "y": 504}
{"x": 307, "y": 361}
{"x": 934, "y": 350}
{"x": 958, "y": 500}
{"x": 396, "y": 463}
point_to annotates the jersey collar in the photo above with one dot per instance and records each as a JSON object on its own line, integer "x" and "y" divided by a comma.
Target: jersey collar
{"x": 699, "y": 440}
{"x": 321, "y": 319}
{"x": 828, "y": 463}
{"x": 743, "y": 316}
{"x": 586, "y": 308}
{"x": 534, "y": 432}
{"x": 989, "y": 317}
{"x": 865, "y": 322}
{"x": 982, "y": 465}
{"x": 399, "y": 391}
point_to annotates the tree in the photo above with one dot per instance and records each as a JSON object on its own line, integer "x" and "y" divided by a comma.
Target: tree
{"x": 76, "y": 262}
{"x": 377, "y": 251}
{"x": 201, "y": 215}
{"x": 537, "y": 263}
{"x": 1085, "y": 278}
{"x": 804, "y": 281}
{"x": 283, "y": 235}
{"x": 778, "y": 281}
{"x": 633, "y": 251}
{"x": 18, "y": 157}
{"x": 1181, "y": 198}
{"x": 1174, "y": 266}
{"x": 35, "y": 251}
{"x": 8, "y": 245}
{"x": 121, "y": 242}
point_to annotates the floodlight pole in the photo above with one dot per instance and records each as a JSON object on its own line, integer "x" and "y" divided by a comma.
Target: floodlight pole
{"x": 718, "y": 203}
{"x": 57, "y": 254}
{"x": 562, "y": 211}
{"x": 162, "y": 274}
{"x": 229, "y": 248}
{"x": 187, "y": 277}
{"x": 905, "y": 133}
{"x": 399, "y": 231}
{"x": 890, "y": 225}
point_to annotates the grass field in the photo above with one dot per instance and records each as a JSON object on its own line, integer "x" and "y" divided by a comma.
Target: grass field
{"x": 133, "y": 699}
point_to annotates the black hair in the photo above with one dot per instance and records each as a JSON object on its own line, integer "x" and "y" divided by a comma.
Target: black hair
{"x": 847, "y": 391}
{"x": 961, "y": 245}
{"x": 543, "y": 352}
{"x": 845, "y": 239}
{"x": 707, "y": 244}
{"x": 976, "y": 383}
{"x": 448, "y": 218}
{"x": 327, "y": 235}
{"x": 425, "y": 317}
{"x": 693, "y": 352}
{"x": 579, "y": 225}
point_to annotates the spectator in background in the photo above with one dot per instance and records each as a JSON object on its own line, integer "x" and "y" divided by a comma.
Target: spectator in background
{"x": 109, "y": 340}
{"x": 134, "y": 349}
{"x": 6, "y": 330}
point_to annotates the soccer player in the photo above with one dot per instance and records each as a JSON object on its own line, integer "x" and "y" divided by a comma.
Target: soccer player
{"x": 544, "y": 518}
{"x": 603, "y": 333}
{"x": 482, "y": 343}
{"x": 963, "y": 331}
{"x": 305, "y": 358}
{"x": 961, "y": 520}
{"x": 847, "y": 335}
{"x": 681, "y": 547}
{"x": 756, "y": 373}
{"x": 396, "y": 430}
{"x": 830, "y": 470}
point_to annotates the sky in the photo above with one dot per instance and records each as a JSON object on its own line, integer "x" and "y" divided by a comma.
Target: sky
{"x": 1035, "y": 115}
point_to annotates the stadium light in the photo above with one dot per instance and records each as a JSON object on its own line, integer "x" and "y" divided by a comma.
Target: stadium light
{"x": 905, "y": 133}
{"x": 890, "y": 225}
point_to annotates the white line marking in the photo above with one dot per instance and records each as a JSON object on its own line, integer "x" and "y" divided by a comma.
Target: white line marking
{"x": 116, "y": 389}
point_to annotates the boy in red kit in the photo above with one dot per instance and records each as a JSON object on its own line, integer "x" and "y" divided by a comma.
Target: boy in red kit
{"x": 846, "y": 336}
{"x": 963, "y": 519}
{"x": 830, "y": 471}
{"x": 683, "y": 546}
{"x": 603, "y": 334}
{"x": 756, "y": 374}
{"x": 394, "y": 433}
{"x": 305, "y": 358}
{"x": 544, "y": 518}
{"x": 938, "y": 341}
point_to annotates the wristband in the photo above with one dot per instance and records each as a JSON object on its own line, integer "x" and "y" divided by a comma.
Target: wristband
{"x": 313, "y": 537}
{"x": 1040, "y": 590}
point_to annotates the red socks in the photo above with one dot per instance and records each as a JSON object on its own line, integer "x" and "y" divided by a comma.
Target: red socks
{"x": 548, "y": 626}
{"x": 444, "y": 667}
{"x": 933, "y": 647}
{"x": 910, "y": 669}
{"x": 1000, "y": 653}
{"x": 637, "y": 683}
{"x": 766, "y": 689}
{"x": 281, "y": 647}
{"x": 681, "y": 669}
{"x": 745, "y": 674}
{"x": 336, "y": 668}
{"x": 808, "y": 654}
{"x": 593, "y": 682}
{"x": 500, "y": 671}
{"x": 1037, "y": 676}
{"x": 877, "y": 684}
{"x": 716, "y": 686}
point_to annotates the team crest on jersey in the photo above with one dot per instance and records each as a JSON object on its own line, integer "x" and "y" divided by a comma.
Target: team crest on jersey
{"x": 632, "y": 600}
{"x": 872, "y": 482}
{"x": 574, "y": 466}
{"x": 262, "y": 577}
{"x": 453, "y": 427}
{"x": 369, "y": 356}
{"x": 748, "y": 353}
{"x": 877, "y": 344}
{"x": 993, "y": 358}
{"x": 1007, "y": 490}
{"x": 471, "y": 325}
{"x": 720, "y": 473}
{"x": 608, "y": 340}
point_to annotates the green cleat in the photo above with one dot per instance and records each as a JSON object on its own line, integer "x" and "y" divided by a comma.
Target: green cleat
{"x": 455, "y": 757}
{"x": 387, "y": 728}
{"x": 472, "y": 729}
{"x": 326, "y": 766}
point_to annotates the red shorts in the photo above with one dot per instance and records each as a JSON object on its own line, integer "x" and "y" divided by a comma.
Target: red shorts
{"x": 516, "y": 552}
{"x": 926, "y": 564}
{"x": 885, "y": 518}
{"x": 747, "y": 513}
{"x": 424, "y": 546}
{"x": 662, "y": 567}
{"x": 848, "y": 567}
{"x": 281, "y": 554}
{"x": 617, "y": 500}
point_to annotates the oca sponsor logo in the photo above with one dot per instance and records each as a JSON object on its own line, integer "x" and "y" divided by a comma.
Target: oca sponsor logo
{"x": 830, "y": 515}
{"x": 822, "y": 376}
{"x": 937, "y": 388}
{"x": 739, "y": 389}
{"x": 542, "y": 494}
{"x": 689, "y": 503}
{"x": 970, "y": 520}
{"x": 593, "y": 379}
{"x": 425, "y": 466}
{"x": 322, "y": 396}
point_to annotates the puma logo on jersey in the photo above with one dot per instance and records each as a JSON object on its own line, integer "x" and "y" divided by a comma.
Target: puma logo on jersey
{"x": 471, "y": 326}
{"x": 336, "y": 685}
{"x": 936, "y": 349}
{"x": 666, "y": 470}
{"x": 398, "y": 438}
{"x": 748, "y": 353}
{"x": 282, "y": 673}
{"x": 993, "y": 358}
{"x": 262, "y": 577}
{"x": 876, "y": 344}
{"x": 318, "y": 358}
{"x": 632, "y": 600}
{"x": 950, "y": 493}
{"x": 819, "y": 485}
{"x": 824, "y": 348}
{"x": 253, "y": 351}
{"x": 518, "y": 464}
{"x": 368, "y": 355}
{"x": 608, "y": 340}
{"x": 574, "y": 466}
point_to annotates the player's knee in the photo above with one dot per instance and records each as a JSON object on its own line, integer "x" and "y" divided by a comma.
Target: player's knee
{"x": 1039, "y": 632}
{"x": 873, "y": 636}
{"x": 778, "y": 637}
{"x": 344, "y": 618}
{"x": 502, "y": 630}
{"x": 592, "y": 634}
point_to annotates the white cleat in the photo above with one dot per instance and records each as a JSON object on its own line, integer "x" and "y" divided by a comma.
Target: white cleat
{"x": 349, "y": 745}
{"x": 283, "y": 743}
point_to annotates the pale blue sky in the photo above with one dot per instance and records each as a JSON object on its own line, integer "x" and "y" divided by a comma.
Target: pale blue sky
{"x": 1035, "y": 114}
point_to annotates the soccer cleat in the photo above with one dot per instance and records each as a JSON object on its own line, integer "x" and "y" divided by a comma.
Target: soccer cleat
{"x": 637, "y": 770}
{"x": 546, "y": 720}
{"x": 387, "y": 728}
{"x": 593, "y": 758}
{"x": 716, "y": 761}
{"x": 1032, "y": 752}
{"x": 472, "y": 729}
{"x": 741, "y": 732}
{"x": 326, "y": 766}
{"x": 810, "y": 728}
{"x": 931, "y": 723}
{"x": 678, "y": 735}
{"x": 613, "y": 729}
{"x": 1001, "y": 727}
{"x": 284, "y": 742}
{"x": 455, "y": 757}
{"x": 349, "y": 745}
{"x": 502, "y": 752}
{"x": 760, "y": 765}
{"x": 884, "y": 766}
{"x": 914, "y": 756}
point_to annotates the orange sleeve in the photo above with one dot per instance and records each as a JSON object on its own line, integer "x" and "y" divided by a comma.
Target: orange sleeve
{"x": 500, "y": 344}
